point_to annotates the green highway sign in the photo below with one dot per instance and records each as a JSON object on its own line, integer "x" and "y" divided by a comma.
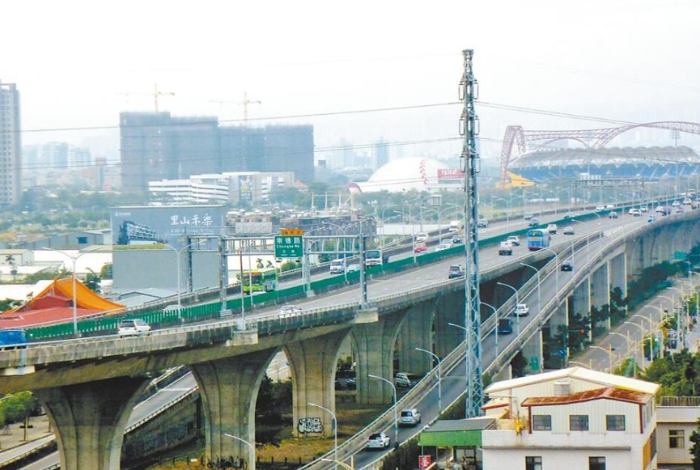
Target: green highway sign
{"x": 289, "y": 246}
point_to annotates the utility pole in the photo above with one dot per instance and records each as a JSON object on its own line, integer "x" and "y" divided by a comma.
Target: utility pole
{"x": 470, "y": 165}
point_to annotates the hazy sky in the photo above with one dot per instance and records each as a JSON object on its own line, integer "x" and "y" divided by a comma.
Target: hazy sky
{"x": 616, "y": 59}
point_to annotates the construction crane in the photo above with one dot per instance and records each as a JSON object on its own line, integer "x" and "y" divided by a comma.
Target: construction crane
{"x": 243, "y": 103}
{"x": 155, "y": 95}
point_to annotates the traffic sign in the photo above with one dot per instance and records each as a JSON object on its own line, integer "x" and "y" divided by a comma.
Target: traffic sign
{"x": 292, "y": 231}
{"x": 534, "y": 363}
{"x": 289, "y": 246}
{"x": 424, "y": 461}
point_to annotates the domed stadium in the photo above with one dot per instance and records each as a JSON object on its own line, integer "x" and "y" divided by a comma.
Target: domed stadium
{"x": 410, "y": 173}
{"x": 649, "y": 163}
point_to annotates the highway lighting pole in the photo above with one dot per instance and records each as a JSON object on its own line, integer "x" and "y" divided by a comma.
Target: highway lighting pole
{"x": 335, "y": 431}
{"x": 539, "y": 298}
{"x": 556, "y": 267}
{"x": 495, "y": 314}
{"x": 252, "y": 448}
{"x": 517, "y": 301}
{"x": 629, "y": 348}
{"x": 74, "y": 259}
{"x": 439, "y": 377}
{"x": 178, "y": 256}
{"x": 610, "y": 355}
{"x": 413, "y": 235}
{"x": 588, "y": 244}
{"x": 396, "y": 419}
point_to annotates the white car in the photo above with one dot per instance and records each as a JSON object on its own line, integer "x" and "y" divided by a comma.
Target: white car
{"x": 552, "y": 228}
{"x": 443, "y": 246}
{"x": 422, "y": 237}
{"x": 522, "y": 310}
{"x": 378, "y": 441}
{"x": 600, "y": 207}
{"x": 352, "y": 268}
{"x": 635, "y": 212}
{"x": 514, "y": 240}
{"x": 409, "y": 417}
{"x": 676, "y": 203}
{"x": 290, "y": 310}
{"x": 568, "y": 231}
{"x": 132, "y": 327}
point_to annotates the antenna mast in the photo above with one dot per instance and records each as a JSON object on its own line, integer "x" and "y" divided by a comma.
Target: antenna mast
{"x": 470, "y": 164}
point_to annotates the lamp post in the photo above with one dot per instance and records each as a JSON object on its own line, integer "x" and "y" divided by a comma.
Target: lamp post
{"x": 539, "y": 298}
{"x": 556, "y": 267}
{"x": 643, "y": 331}
{"x": 610, "y": 355}
{"x": 74, "y": 259}
{"x": 517, "y": 301}
{"x": 396, "y": 419}
{"x": 335, "y": 431}
{"x": 178, "y": 256}
{"x": 495, "y": 314}
{"x": 588, "y": 244}
{"x": 439, "y": 377}
{"x": 252, "y": 448}
{"x": 413, "y": 235}
{"x": 629, "y": 348}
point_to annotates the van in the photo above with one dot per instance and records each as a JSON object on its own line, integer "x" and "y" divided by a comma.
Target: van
{"x": 338, "y": 266}
{"x": 406, "y": 380}
{"x": 455, "y": 226}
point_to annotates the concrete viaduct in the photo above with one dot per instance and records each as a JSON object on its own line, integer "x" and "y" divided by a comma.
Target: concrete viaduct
{"x": 88, "y": 386}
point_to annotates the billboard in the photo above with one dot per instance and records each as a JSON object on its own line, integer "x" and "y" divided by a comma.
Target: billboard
{"x": 146, "y": 225}
{"x": 450, "y": 175}
{"x": 245, "y": 188}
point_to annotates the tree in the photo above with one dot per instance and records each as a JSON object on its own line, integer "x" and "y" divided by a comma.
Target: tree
{"x": 695, "y": 448}
{"x": 92, "y": 281}
{"x": 106, "y": 271}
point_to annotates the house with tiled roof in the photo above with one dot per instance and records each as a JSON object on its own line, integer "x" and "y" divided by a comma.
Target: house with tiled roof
{"x": 54, "y": 305}
{"x": 573, "y": 419}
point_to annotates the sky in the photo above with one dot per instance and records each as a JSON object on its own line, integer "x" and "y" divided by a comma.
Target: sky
{"x": 78, "y": 64}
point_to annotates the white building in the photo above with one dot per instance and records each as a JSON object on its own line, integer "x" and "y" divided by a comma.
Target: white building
{"x": 230, "y": 187}
{"x": 676, "y": 419}
{"x": 571, "y": 419}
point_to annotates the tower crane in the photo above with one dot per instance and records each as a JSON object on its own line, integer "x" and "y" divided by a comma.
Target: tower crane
{"x": 243, "y": 103}
{"x": 156, "y": 93}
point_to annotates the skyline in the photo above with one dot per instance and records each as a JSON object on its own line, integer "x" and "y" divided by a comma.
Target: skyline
{"x": 595, "y": 60}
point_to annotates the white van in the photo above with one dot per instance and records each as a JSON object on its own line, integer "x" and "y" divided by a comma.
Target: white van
{"x": 455, "y": 226}
{"x": 338, "y": 266}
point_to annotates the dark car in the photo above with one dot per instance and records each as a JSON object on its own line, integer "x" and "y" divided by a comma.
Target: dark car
{"x": 455, "y": 271}
{"x": 567, "y": 266}
{"x": 457, "y": 240}
{"x": 505, "y": 326}
{"x": 533, "y": 222}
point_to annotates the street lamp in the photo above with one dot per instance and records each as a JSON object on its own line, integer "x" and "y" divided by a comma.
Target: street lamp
{"x": 643, "y": 331}
{"x": 178, "y": 255}
{"x": 588, "y": 243}
{"x": 413, "y": 235}
{"x": 73, "y": 258}
{"x": 439, "y": 377}
{"x": 610, "y": 355}
{"x": 556, "y": 266}
{"x": 252, "y": 448}
{"x": 517, "y": 301}
{"x": 539, "y": 298}
{"x": 396, "y": 419}
{"x": 629, "y": 348}
{"x": 335, "y": 430}
{"x": 495, "y": 314}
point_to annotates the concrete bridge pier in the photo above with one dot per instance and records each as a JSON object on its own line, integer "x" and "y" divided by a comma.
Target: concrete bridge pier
{"x": 374, "y": 344}
{"x": 600, "y": 291}
{"x": 89, "y": 420}
{"x": 449, "y": 309}
{"x": 417, "y": 332}
{"x": 532, "y": 352}
{"x": 229, "y": 389}
{"x": 313, "y": 365}
{"x": 580, "y": 303}
{"x": 559, "y": 322}
{"x": 617, "y": 267}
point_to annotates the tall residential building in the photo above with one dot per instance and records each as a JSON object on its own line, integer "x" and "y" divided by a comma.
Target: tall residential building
{"x": 157, "y": 147}
{"x": 10, "y": 146}
{"x": 380, "y": 156}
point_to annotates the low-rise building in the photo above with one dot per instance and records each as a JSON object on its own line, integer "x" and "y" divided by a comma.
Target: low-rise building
{"x": 574, "y": 419}
{"x": 676, "y": 419}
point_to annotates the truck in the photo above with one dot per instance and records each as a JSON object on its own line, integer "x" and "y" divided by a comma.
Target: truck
{"x": 16, "y": 338}
{"x": 505, "y": 248}
{"x": 455, "y": 226}
{"x": 375, "y": 258}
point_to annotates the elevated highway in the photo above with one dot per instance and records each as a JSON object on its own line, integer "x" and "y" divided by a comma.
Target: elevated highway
{"x": 104, "y": 360}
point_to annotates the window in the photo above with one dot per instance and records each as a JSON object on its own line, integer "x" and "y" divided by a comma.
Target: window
{"x": 615, "y": 422}
{"x": 578, "y": 422}
{"x": 676, "y": 438}
{"x": 596, "y": 463}
{"x": 541, "y": 423}
{"x": 533, "y": 463}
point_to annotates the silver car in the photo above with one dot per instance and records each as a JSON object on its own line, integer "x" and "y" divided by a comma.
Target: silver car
{"x": 409, "y": 417}
{"x": 132, "y": 327}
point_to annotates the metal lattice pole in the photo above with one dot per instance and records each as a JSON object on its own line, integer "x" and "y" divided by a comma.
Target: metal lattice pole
{"x": 470, "y": 166}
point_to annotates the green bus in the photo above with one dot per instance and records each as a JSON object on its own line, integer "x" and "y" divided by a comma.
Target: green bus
{"x": 259, "y": 280}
